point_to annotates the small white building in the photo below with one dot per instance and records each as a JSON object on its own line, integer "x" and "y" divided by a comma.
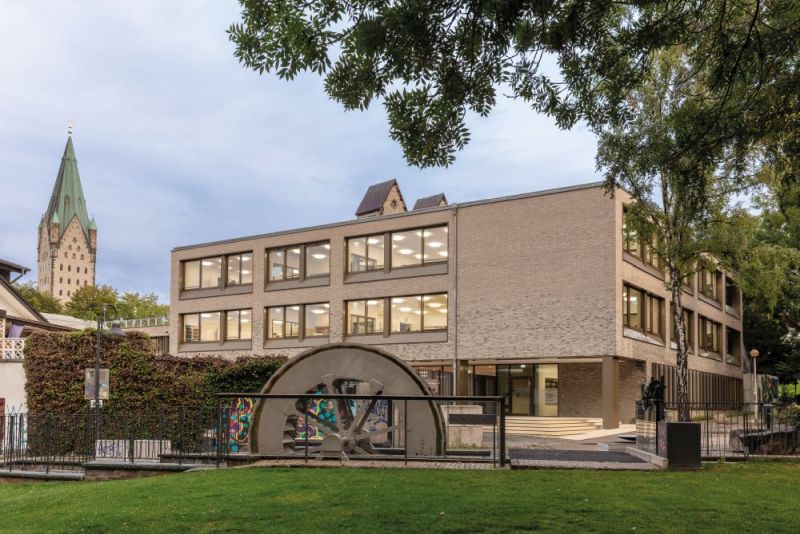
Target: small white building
{"x": 17, "y": 320}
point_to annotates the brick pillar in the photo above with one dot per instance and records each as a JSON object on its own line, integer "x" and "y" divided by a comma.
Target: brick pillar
{"x": 463, "y": 378}
{"x": 610, "y": 392}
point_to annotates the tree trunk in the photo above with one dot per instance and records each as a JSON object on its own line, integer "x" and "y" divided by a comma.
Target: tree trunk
{"x": 682, "y": 354}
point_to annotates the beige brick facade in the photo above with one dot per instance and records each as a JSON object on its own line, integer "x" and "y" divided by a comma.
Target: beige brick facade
{"x": 534, "y": 278}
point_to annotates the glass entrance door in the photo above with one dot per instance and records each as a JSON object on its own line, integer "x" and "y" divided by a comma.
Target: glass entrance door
{"x": 521, "y": 395}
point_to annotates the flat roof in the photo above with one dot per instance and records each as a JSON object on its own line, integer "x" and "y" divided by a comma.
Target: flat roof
{"x": 544, "y": 192}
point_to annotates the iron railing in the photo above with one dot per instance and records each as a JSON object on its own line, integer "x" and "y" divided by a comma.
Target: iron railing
{"x": 50, "y": 442}
{"x": 728, "y": 430}
{"x": 353, "y": 427}
{"x": 363, "y": 427}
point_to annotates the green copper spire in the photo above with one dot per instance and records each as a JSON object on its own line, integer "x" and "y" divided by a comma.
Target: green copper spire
{"x": 67, "y": 200}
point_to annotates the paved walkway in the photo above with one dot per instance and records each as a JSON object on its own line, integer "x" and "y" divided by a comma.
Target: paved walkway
{"x": 576, "y": 459}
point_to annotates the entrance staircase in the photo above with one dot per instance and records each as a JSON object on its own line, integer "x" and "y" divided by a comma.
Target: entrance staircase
{"x": 553, "y": 427}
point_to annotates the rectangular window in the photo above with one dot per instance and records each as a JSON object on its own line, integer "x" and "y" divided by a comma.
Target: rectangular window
{"x": 283, "y": 322}
{"x": 211, "y": 272}
{"x": 733, "y": 346}
{"x": 406, "y": 249}
{"x": 210, "y": 326}
{"x": 688, "y": 317}
{"x": 191, "y": 274}
{"x": 654, "y": 308}
{"x": 292, "y": 271}
{"x": 240, "y": 269}
{"x": 318, "y": 260}
{"x": 317, "y": 320}
{"x": 650, "y": 256}
{"x": 202, "y": 274}
{"x": 434, "y": 312}
{"x": 201, "y": 326}
{"x": 420, "y": 246}
{"x": 365, "y": 317}
{"x": 709, "y": 336}
{"x": 284, "y": 263}
{"x": 191, "y": 328}
{"x": 731, "y": 295}
{"x": 418, "y": 313}
{"x": 365, "y": 253}
{"x": 630, "y": 237}
{"x": 632, "y": 303}
{"x": 709, "y": 284}
{"x": 238, "y": 325}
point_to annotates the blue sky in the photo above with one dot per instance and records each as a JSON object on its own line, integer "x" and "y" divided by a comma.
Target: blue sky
{"x": 178, "y": 144}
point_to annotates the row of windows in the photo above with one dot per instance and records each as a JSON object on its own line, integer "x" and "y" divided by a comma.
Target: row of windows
{"x": 69, "y": 268}
{"x": 409, "y": 248}
{"x": 389, "y": 315}
{"x": 710, "y": 281}
{"x": 644, "y": 312}
{"x": 207, "y": 272}
{"x": 216, "y": 326}
{"x": 69, "y": 281}
{"x": 66, "y": 255}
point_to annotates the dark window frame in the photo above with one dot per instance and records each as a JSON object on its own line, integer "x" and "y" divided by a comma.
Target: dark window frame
{"x": 301, "y": 269}
{"x": 223, "y": 326}
{"x": 226, "y": 262}
{"x": 200, "y": 266}
{"x": 422, "y": 238}
{"x": 366, "y": 239}
{"x": 301, "y": 322}
{"x": 239, "y": 325}
{"x": 701, "y": 338}
{"x": 366, "y": 316}
{"x": 645, "y": 312}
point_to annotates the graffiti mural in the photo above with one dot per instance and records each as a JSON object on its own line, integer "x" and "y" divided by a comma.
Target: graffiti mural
{"x": 239, "y": 423}
{"x": 323, "y": 412}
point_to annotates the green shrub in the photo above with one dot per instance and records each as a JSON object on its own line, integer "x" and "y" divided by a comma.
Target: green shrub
{"x": 139, "y": 381}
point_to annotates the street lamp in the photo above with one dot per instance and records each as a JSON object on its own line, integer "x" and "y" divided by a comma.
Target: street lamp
{"x": 115, "y": 331}
{"x": 754, "y": 354}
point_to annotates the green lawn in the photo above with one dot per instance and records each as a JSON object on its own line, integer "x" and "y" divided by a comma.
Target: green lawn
{"x": 755, "y": 496}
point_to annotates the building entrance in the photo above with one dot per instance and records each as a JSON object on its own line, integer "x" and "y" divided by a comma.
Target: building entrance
{"x": 530, "y": 389}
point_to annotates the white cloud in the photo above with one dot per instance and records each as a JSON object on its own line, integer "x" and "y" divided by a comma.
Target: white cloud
{"x": 177, "y": 143}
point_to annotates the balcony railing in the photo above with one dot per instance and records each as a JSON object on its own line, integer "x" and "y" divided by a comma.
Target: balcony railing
{"x": 12, "y": 348}
{"x": 141, "y": 323}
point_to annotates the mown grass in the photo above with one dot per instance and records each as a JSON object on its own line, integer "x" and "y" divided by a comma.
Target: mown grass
{"x": 754, "y": 496}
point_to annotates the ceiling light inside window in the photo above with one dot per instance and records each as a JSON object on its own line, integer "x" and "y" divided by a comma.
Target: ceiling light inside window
{"x": 398, "y": 237}
{"x": 319, "y": 256}
{"x": 434, "y": 244}
{"x": 405, "y": 309}
{"x": 405, "y": 251}
{"x": 443, "y": 253}
{"x": 245, "y": 258}
{"x": 295, "y": 251}
{"x": 443, "y": 310}
{"x": 208, "y": 263}
{"x": 317, "y": 311}
{"x": 375, "y": 240}
{"x": 296, "y": 308}
{"x": 326, "y": 305}
{"x": 245, "y": 271}
{"x": 327, "y": 246}
{"x": 435, "y": 304}
{"x": 372, "y": 302}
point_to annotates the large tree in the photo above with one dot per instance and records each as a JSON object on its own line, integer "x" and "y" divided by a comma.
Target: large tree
{"x": 685, "y": 95}
{"x": 87, "y": 302}
{"x": 431, "y": 62}
{"x": 40, "y": 301}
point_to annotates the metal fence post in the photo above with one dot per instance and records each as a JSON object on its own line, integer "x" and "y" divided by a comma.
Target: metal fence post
{"x": 708, "y": 432}
{"x": 502, "y": 432}
{"x": 305, "y": 427}
{"x": 405, "y": 432}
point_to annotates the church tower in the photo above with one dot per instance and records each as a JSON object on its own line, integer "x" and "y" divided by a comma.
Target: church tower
{"x": 67, "y": 251}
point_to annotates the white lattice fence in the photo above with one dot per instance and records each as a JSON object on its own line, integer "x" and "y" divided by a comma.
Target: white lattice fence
{"x": 12, "y": 348}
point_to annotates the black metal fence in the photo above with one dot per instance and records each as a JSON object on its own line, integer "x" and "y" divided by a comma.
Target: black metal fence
{"x": 728, "y": 430}
{"x": 353, "y": 427}
{"x": 65, "y": 442}
{"x": 363, "y": 427}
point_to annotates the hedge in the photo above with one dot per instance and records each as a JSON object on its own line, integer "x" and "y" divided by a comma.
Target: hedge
{"x": 55, "y": 362}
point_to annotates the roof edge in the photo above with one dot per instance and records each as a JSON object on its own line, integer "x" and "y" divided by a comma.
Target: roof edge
{"x": 521, "y": 196}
